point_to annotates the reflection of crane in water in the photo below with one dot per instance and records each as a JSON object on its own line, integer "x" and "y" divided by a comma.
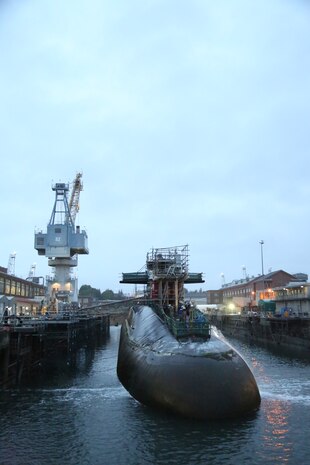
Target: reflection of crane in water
{"x": 62, "y": 243}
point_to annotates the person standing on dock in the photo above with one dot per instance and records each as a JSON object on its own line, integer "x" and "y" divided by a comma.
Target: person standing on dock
{"x": 5, "y": 315}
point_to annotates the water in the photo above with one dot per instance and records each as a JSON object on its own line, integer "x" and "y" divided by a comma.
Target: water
{"x": 82, "y": 415}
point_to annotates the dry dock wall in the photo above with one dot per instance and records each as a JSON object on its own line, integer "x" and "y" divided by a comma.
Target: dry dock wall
{"x": 289, "y": 333}
{"x": 24, "y": 347}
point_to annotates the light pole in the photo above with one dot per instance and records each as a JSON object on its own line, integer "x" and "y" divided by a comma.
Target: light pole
{"x": 262, "y": 255}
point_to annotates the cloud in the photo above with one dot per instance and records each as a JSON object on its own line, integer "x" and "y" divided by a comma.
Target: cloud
{"x": 189, "y": 122}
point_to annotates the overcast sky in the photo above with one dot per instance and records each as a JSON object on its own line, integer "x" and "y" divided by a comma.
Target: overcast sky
{"x": 188, "y": 119}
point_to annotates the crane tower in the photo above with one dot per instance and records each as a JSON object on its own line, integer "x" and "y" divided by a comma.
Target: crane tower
{"x": 62, "y": 243}
{"x": 11, "y": 264}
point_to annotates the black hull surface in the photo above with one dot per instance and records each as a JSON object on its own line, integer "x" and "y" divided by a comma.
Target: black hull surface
{"x": 202, "y": 380}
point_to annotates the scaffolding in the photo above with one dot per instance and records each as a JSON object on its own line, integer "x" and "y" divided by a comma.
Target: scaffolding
{"x": 168, "y": 262}
{"x": 165, "y": 272}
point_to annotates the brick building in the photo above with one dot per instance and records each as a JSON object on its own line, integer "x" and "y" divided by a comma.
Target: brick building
{"x": 20, "y": 296}
{"x": 247, "y": 292}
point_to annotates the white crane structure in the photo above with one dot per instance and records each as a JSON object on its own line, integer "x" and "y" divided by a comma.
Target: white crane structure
{"x": 32, "y": 272}
{"x": 74, "y": 203}
{"x": 11, "y": 264}
{"x": 62, "y": 243}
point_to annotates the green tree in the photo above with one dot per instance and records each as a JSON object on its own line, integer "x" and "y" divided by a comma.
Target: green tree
{"x": 107, "y": 295}
{"x": 87, "y": 291}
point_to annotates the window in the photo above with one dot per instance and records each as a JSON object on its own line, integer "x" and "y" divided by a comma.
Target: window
{"x": 13, "y": 287}
{"x": 18, "y": 288}
{"x": 8, "y": 286}
{"x": 27, "y": 290}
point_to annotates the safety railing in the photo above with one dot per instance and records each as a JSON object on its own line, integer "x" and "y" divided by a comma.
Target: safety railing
{"x": 181, "y": 329}
{"x": 197, "y": 325}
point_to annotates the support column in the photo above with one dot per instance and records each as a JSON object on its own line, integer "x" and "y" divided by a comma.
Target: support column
{"x": 176, "y": 294}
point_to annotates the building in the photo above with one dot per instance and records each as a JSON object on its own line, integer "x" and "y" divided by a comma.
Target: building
{"x": 293, "y": 299}
{"x": 19, "y": 296}
{"x": 249, "y": 292}
{"x": 215, "y": 297}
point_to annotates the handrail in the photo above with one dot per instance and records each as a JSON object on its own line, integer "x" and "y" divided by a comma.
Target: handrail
{"x": 198, "y": 325}
{"x": 180, "y": 328}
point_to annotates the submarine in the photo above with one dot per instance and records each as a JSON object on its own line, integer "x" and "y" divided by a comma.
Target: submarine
{"x": 170, "y": 358}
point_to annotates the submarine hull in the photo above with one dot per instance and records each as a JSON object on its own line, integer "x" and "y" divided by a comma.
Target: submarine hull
{"x": 201, "y": 380}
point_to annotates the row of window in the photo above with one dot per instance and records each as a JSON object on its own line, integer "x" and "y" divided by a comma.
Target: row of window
{"x": 242, "y": 291}
{"x": 288, "y": 292}
{"x": 268, "y": 294}
{"x": 11, "y": 286}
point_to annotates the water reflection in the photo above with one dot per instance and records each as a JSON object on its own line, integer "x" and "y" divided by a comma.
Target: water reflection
{"x": 61, "y": 368}
{"x": 165, "y": 438}
{"x": 276, "y": 436}
{"x": 86, "y": 417}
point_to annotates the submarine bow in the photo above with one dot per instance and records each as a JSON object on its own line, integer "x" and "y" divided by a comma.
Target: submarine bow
{"x": 202, "y": 380}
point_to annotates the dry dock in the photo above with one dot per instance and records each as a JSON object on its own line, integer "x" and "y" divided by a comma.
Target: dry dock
{"x": 26, "y": 342}
{"x": 291, "y": 334}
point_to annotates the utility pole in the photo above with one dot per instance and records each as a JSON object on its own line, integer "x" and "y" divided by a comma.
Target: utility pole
{"x": 262, "y": 255}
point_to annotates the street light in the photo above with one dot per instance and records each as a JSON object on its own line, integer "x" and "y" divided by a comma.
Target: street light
{"x": 262, "y": 255}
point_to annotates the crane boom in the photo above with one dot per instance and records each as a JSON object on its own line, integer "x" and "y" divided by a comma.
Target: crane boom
{"x": 74, "y": 203}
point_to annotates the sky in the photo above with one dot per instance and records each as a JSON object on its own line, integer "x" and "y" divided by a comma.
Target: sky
{"x": 189, "y": 121}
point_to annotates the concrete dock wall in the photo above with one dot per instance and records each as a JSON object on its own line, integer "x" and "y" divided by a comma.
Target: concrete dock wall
{"x": 25, "y": 345}
{"x": 289, "y": 333}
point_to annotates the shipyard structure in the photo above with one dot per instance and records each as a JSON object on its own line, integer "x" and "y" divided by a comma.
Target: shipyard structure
{"x": 61, "y": 244}
{"x": 272, "y": 308}
{"x": 40, "y": 320}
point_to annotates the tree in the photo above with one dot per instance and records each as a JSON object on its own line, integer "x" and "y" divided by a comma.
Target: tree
{"x": 108, "y": 295}
{"x": 87, "y": 291}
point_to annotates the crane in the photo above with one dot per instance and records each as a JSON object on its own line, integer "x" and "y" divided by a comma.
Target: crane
{"x": 74, "y": 203}
{"x": 11, "y": 264}
{"x": 32, "y": 272}
{"x": 63, "y": 242}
